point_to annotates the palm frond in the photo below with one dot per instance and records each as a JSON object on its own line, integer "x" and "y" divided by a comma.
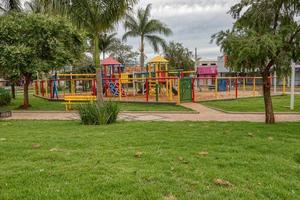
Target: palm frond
{"x": 156, "y": 41}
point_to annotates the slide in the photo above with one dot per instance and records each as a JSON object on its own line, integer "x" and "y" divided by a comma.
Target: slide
{"x": 174, "y": 90}
{"x": 114, "y": 89}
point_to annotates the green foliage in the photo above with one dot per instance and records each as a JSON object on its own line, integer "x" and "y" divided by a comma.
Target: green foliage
{"x": 106, "y": 42}
{"x": 265, "y": 36}
{"x": 123, "y": 52}
{"x": 96, "y": 113}
{"x": 147, "y": 29}
{"x": 33, "y": 42}
{"x": 179, "y": 57}
{"x": 5, "y": 97}
{"x": 30, "y": 43}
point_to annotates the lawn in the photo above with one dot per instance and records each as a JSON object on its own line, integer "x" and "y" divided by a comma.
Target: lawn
{"x": 38, "y": 104}
{"x": 280, "y": 103}
{"x": 149, "y": 160}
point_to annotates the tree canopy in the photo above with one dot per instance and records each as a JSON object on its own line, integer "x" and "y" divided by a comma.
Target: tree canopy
{"x": 147, "y": 29}
{"x": 264, "y": 38}
{"x": 123, "y": 53}
{"x": 30, "y": 43}
{"x": 179, "y": 57}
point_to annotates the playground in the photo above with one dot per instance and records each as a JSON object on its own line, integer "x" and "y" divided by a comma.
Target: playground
{"x": 158, "y": 85}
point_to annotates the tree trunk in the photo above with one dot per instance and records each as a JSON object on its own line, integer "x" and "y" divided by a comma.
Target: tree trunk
{"x": 269, "y": 112}
{"x": 103, "y": 55}
{"x": 13, "y": 90}
{"x": 98, "y": 69}
{"x": 26, "y": 95}
{"x": 142, "y": 56}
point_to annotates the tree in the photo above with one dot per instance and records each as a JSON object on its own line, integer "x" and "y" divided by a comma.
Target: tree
{"x": 179, "y": 57}
{"x": 106, "y": 42}
{"x": 10, "y": 5}
{"x": 95, "y": 17}
{"x": 145, "y": 28}
{"x": 264, "y": 38}
{"x": 31, "y": 43}
{"x": 123, "y": 53}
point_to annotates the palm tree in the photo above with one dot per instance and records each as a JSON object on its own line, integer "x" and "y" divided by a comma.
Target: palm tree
{"x": 145, "y": 28}
{"x": 95, "y": 17}
{"x": 106, "y": 42}
{"x": 10, "y": 5}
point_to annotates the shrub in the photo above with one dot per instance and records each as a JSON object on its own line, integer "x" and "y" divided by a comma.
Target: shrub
{"x": 5, "y": 97}
{"x": 95, "y": 113}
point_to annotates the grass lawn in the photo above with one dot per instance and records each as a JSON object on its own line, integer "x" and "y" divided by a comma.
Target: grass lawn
{"x": 280, "y": 103}
{"x": 148, "y": 160}
{"x": 38, "y": 104}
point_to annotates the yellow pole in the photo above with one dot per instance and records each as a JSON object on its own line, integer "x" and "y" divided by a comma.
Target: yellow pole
{"x": 120, "y": 89}
{"x": 284, "y": 86}
{"x": 216, "y": 87}
{"x": 46, "y": 87}
{"x": 244, "y": 84}
{"x": 72, "y": 87}
{"x": 254, "y": 86}
{"x": 178, "y": 99}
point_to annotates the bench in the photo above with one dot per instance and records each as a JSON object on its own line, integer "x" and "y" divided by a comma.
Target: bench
{"x": 70, "y": 100}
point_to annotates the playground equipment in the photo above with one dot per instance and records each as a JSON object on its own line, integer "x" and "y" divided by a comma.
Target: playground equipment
{"x": 158, "y": 84}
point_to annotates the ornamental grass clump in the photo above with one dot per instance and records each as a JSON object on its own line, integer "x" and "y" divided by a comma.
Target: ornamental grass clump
{"x": 96, "y": 113}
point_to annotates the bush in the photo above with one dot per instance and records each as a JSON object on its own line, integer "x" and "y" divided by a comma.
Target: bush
{"x": 95, "y": 113}
{"x": 5, "y": 97}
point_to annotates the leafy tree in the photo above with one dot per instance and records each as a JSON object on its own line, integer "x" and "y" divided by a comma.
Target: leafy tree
{"x": 31, "y": 43}
{"x": 179, "y": 57}
{"x": 10, "y": 5}
{"x": 264, "y": 38}
{"x": 106, "y": 42}
{"x": 95, "y": 17}
{"x": 145, "y": 28}
{"x": 123, "y": 52}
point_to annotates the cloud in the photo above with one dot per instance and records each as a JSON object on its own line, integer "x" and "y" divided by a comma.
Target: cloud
{"x": 192, "y": 21}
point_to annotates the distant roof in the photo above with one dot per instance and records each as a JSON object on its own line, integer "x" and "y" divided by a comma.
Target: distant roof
{"x": 110, "y": 61}
{"x": 158, "y": 59}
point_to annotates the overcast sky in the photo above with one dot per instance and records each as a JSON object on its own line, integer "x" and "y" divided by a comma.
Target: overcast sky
{"x": 192, "y": 22}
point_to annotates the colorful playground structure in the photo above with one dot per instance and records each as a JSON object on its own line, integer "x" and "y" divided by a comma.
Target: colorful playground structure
{"x": 157, "y": 84}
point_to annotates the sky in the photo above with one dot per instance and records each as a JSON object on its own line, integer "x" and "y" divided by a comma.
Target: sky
{"x": 192, "y": 22}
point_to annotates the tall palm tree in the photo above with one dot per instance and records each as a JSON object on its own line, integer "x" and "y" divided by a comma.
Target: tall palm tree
{"x": 145, "y": 28}
{"x": 95, "y": 17}
{"x": 10, "y": 5}
{"x": 106, "y": 41}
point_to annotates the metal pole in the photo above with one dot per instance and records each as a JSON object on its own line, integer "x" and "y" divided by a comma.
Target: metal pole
{"x": 292, "y": 105}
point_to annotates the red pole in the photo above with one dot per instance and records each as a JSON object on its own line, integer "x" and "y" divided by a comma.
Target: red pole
{"x": 36, "y": 88}
{"x": 94, "y": 87}
{"x": 236, "y": 88}
{"x": 42, "y": 88}
{"x": 147, "y": 90}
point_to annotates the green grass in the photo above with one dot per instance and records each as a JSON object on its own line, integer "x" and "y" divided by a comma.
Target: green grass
{"x": 38, "y": 104}
{"x": 98, "y": 162}
{"x": 280, "y": 104}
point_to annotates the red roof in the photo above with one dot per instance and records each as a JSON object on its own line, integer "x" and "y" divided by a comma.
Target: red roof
{"x": 110, "y": 61}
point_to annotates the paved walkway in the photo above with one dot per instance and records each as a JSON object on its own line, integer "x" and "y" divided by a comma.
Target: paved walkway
{"x": 205, "y": 114}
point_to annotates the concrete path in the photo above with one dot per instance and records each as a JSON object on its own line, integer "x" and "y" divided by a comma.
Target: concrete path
{"x": 205, "y": 114}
